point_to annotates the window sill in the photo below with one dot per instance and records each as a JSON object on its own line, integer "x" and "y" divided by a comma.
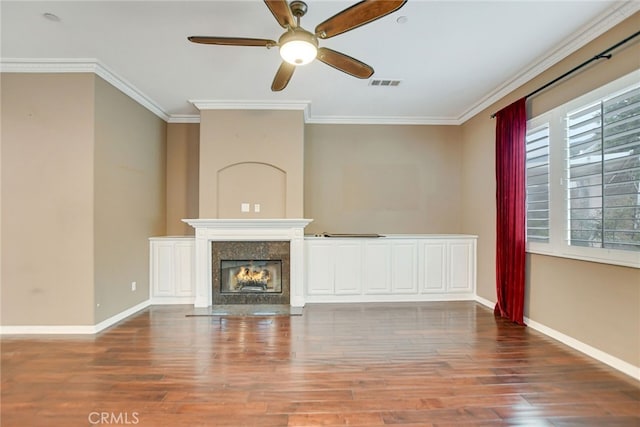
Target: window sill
{"x": 604, "y": 256}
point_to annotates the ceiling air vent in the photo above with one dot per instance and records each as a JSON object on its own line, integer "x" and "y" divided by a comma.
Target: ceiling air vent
{"x": 384, "y": 82}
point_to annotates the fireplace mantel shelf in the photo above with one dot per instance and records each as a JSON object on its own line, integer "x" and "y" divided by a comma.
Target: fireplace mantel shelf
{"x": 245, "y": 223}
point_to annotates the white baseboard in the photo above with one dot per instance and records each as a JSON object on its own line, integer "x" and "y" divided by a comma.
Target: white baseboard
{"x": 599, "y": 355}
{"x": 121, "y": 316}
{"x": 485, "y": 302}
{"x": 72, "y": 329}
{"x": 172, "y": 300}
{"x": 606, "y": 358}
{"x": 47, "y": 330}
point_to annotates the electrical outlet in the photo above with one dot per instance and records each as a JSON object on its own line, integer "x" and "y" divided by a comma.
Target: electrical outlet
{"x": 256, "y": 207}
{"x": 133, "y": 286}
{"x": 244, "y": 207}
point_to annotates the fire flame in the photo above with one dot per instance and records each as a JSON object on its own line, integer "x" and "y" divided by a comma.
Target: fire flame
{"x": 248, "y": 274}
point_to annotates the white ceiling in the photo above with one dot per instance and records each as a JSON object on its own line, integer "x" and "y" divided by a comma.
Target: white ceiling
{"x": 453, "y": 58}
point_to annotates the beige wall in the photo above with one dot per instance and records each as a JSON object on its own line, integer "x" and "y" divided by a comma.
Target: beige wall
{"x": 478, "y": 210}
{"x": 259, "y": 142}
{"x": 597, "y": 304}
{"x": 183, "y": 172}
{"x": 47, "y": 199}
{"x": 129, "y": 197}
{"x": 83, "y": 187}
{"x": 382, "y": 179}
{"x": 594, "y": 303}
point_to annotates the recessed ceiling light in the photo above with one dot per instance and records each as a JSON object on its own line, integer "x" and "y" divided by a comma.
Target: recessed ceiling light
{"x": 402, "y": 20}
{"x": 51, "y": 17}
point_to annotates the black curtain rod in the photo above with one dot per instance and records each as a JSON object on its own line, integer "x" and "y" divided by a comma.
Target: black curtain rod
{"x": 602, "y": 55}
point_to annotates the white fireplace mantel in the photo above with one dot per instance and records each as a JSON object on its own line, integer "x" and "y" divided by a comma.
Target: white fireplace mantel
{"x": 283, "y": 229}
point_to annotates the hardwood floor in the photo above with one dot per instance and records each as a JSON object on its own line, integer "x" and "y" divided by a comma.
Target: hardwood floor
{"x": 401, "y": 364}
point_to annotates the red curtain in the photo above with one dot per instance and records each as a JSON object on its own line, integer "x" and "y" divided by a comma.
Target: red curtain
{"x": 511, "y": 124}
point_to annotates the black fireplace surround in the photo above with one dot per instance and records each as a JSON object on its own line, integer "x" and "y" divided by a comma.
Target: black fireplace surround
{"x": 250, "y": 272}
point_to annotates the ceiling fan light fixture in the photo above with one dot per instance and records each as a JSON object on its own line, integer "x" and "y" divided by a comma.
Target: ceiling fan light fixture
{"x": 298, "y": 47}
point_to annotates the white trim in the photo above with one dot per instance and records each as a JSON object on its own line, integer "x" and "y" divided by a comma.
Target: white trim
{"x": 239, "y": 225}
{"x": 343, "y": 120}
{"x": 184, "y": 118}
{"x": 47, "y": 330}
{"x": 73, "y": 329}
{"x": 48, "y": 65}
{"x": 485, "y": 302}
{"x": 606, "y": 358}
{"x": 621, "y": 258}
{"x": 386, "y": 120}
{"x": 121, "y": 316}
{"x": 82, "y": 65}
{"x": 172, "y": 300}
{"x": 615, "y": 15}
{"x": 599, "y": 355}
{"x": 253, "y": 105}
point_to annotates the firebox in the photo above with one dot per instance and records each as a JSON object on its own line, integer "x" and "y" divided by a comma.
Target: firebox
{"x": 250, "y": 272}
{"x": 250, "y": 276}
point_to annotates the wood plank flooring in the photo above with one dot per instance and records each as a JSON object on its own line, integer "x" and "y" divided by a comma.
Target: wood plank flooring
{"x": 398, "y": 364}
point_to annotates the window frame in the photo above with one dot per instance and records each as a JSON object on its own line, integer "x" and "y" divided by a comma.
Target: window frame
{"x": 558, "y": 244}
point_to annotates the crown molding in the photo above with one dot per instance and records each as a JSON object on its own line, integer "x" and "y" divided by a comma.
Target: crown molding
{"x": 81, "y": 65}
{"x": 308, "y": 118}
{"x": 386, "y": 120}
{"x": 615, "y": 15}
{"x": 253, "y": 105}
{"x": 184, "y": 118}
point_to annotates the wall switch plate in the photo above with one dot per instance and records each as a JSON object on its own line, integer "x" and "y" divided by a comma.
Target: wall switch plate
{"x": 244, "y": 207}
{"x": 256, "y": 207}
{"x": 133, "y": 286}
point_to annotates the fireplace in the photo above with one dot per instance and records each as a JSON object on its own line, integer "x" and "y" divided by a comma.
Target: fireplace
{"x": 253, "y": 272}
{"x": 288, "y": 232}
{"x": 250, "y": 276}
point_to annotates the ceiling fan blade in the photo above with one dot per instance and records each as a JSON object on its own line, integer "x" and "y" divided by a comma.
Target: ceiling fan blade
{"x": 283, "y": 75}
{"x": 282, "y": 13}
{"x": 232, "y": 41}
{"x": 359, "y": 14}
{"x": 345, "y": 63}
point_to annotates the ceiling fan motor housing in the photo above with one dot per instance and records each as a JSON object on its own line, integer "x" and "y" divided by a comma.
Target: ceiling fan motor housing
{"x": 298, "y": 34}
{"x": 298, "y": 8}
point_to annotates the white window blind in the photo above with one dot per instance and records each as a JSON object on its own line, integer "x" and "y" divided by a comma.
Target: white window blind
{"x": 603, "y": 169}
{"x": 538, "y": 184}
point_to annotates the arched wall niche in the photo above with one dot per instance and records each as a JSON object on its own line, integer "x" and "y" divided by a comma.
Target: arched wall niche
{"x": 262, "y": 186}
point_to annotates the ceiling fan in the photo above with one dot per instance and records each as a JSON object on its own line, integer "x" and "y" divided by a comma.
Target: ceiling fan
{"x": 299, "y": 46}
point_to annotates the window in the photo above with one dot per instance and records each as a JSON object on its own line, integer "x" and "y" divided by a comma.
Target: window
{"x": 583, "y": 177}
{"x": 538, "y": 184}
{"x": 604, "y": 173}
